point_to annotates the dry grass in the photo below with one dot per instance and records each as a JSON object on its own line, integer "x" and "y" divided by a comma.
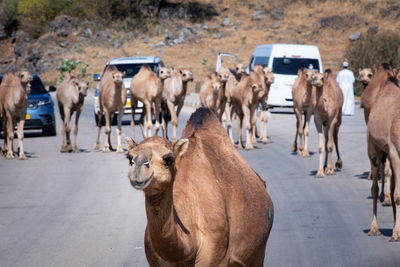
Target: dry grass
{"x": 331, "y": 42}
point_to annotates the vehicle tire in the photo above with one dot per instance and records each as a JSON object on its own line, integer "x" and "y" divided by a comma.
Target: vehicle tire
{"x": 49, "y": 130}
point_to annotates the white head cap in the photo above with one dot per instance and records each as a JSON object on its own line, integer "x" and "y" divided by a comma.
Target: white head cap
{"x": 345, "y": 64}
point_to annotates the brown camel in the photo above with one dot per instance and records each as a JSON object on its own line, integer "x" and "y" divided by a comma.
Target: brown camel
{"x": 173, "y": 94}
{"x": 14, "y": 91}
{"x": 205, "y": 205}
{"x": 112, "y": 98}
{"x": 384, "y": 139}
{"x": 70, "y": 97}
{"x": 244, "y": 101}
{"x": 262, "y": 100}
{"x": 303, "y": 102}
{"x": 212, "y": 94}
{"x": 147, "y": 88}
{"x": 240, "y": 69}
{"x": 327, "y": 118}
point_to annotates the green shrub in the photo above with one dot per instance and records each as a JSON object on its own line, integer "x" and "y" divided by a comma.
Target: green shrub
{"x": 67, "y": 65}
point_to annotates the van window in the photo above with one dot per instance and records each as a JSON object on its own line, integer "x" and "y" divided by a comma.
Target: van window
{"x": 263, "y": 61}
{"x": 290, "y": 66}
{"x": 131, "y": 69}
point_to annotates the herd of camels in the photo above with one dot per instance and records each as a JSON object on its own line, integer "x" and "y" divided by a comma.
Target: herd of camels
{"x": 227, "y": 217}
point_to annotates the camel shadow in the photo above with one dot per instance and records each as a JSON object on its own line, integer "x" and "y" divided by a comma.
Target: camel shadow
{"x": 363, "y": 175}
{"x": 385, "y": 232}
{"x": 295, "y": 154}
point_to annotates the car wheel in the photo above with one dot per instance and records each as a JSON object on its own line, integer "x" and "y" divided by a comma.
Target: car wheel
{"x": 49, "y": 130}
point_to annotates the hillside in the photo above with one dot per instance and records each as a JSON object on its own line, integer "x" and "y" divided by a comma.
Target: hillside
{"x": 237, "y": 27}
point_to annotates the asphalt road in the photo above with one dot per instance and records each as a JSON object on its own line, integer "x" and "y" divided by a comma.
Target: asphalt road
{"x": 80, "y": 210}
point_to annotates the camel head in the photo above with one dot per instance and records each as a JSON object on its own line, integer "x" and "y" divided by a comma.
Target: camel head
{"x": 215, "y": 83}
{"x": 164, "y": 73}
{"x": 240, "y": 69}
{"x": 365, "y": 75}
{"x": 269, "y": 75}
{"x": 153, "y": 163}
{"x": 118, "y": 77}
{"x": 223, "y": 74}
{"x": 187, "y": 75}
{"x": 82, "y": 87}
{"x": 25, "y": 79}
{"x": 309, "y": 74}
{"x": 318, "y": 79}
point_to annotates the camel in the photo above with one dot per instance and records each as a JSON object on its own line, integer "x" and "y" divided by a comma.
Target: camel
{"x": 384, "y": 141}
{"x": 240, "y": 69}
{"x": 14, "y": 91}
{"x": 244, "y": 101}
{"x": 173, "y": 94}
{"x": 303, "y": 102}
{"x": 327, "y": 118}
{"x": 365, "y": 76}
{"x": 212, "y": 94}
{"x": 70, "y": 97}
{"x": 112, "y": 98}
{"x": 205, "y": 205}
{"x": 262, "y": 100}
{"x": 147, "y": 88}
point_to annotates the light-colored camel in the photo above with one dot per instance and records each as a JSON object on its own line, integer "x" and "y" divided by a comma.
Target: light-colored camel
{"x": 173, "y": 95}
{"x": 327, "y": 118}
{"x": 14, "y": 91}
{"x": 240, "y": 69}
{"x": 147, "y": 88}
{"x": 384, "y": 139}
{"x": 70, "y": 97}
{"x": 244, "y": 101}
{"x": 205, "y": 205}
{"x": 365, "y": 76}
{"x": 262, "y": 100}
{"x": 212, "y": 94}
{"x": 303, "y": 103}
{"x": 112, "y": 98}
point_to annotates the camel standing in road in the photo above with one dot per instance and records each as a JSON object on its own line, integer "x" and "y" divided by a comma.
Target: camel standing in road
{"x": 112, "y": 98}
{"x": 384, "y": 141}
{"x": 70, "y": 97}
{"x": 173, "y": 94}
{"x": 327, "y": 118}
{"x": 303, "y": 101}
{"x": 14, "y": 91}
{"x": 212, "y": 94}
{"x": 205, "y": 205}
{"x": 147, "y": 88}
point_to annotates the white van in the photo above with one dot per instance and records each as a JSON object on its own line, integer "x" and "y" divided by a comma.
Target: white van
{"x": 285, "y": 60}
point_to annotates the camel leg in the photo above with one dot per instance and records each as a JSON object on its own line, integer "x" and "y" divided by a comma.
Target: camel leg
{"x": 20, "y": 134}
{"x": 107, "y": 147}
{"x": 4, "y": 149}
{"x": 133, "y": 107}
{"x": 62, "y": 115}
{"x": 97, "y": 144}
{"x": 374, "y": 157}
{"x": 339, "y": 162}
{"x": 321, "y": 146}
{"x": 264, "y": 121}
{"x": 119, "y": 130}
{"x": 174, "y": 119}
{"x": 157, "y": 111}
{"x": 67, "y": 113}
{"x": 148, "y": 120}
{"x": 239, "y": 130}
{"x": 395, "y": 192}
{"x": 78, "y": 113}
{"x": 306, "y": 132}
{"x": 10, "y": 136}
{"x": 248, "y": 126}
{"x": 228, "y": 115}
{"x": 329, "y": 147}
{"x": 253, "y": 121}
{"x": 387, "y": 180}
{"x": 299, "y": 133}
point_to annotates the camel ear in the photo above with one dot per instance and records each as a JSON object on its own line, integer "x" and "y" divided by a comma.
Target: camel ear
{"x": 130, "y": 143}
{"x": 180, "y": 71}
{"x": 180, "y": 147}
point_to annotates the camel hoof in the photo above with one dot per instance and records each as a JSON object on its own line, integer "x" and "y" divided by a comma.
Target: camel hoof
{"x": 293, "y": 148}
{"x": 69, "y": 147}
{"x": 22, "y": 157}
{"x": 329, "y": 171}
{"x": 387, "y": 203}
{"x": 96, "y": 146}
{"x": 10, "y": 156}
{"x": 374, "y": 232}
{"x": 395, "y": 237}
{"x": 249, "y": 146}
{"x": 63, "y": 149}
{"x": 120, "y": 149}
{"x": 75, "y": 150}
{"x": 106, "y": 150}
{"x": 320, "y": 174}
{"x": 339, "y": 164}
{"x": 265, "y": 140}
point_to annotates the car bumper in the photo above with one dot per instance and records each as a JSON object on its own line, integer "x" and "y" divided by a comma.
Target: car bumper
{"x": 40, "y": 117}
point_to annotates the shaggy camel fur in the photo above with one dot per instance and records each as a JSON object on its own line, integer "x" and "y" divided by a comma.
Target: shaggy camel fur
{"x": 327, "y": 118}
{"x": 205, "y": 205}
{"x": 112, "y": 98}
{"x": 147, "y": 88}
{"x": 262, "y": 100}
{"x": 384, "y": 139}
{"x": 212, "y": 94}
{"x": 303, "y": 103}
{"x": 70, "y": 97}
{"x": 14, "y": 91}
{"x": 244, "y": 101}
{"x": 173, "y": 94}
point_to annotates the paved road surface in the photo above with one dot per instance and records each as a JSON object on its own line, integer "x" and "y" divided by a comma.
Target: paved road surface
{"x": 79, "y": 209}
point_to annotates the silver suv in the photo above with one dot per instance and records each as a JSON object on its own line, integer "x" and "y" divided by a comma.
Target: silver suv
{"x": 131, "y": 66}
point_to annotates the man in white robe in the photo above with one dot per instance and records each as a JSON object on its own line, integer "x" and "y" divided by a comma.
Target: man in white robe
{"x": 345, "y": 79}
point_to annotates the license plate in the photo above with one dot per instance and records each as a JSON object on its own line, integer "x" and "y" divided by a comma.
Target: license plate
{"x": 128, "y": 104}
{"x": 27, "y": 117}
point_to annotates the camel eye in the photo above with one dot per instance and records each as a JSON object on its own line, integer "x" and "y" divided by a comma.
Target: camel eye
{"x": 131, "y": 161}
{"x": 168, "y": 159}
{"x": 147, "y": 164}
{"x": 369, "y": 75}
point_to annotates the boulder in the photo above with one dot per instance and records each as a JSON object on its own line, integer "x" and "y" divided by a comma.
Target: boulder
{"x": 355, "y": 36}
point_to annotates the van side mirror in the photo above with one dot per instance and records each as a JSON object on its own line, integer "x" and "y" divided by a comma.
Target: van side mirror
{"x": 96, "y": 77}
{"x": 52, "y": 88}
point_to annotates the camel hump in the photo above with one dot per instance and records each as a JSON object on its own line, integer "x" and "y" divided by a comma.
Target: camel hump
{"x": 112, "y": 68}
{"x": 202, "y": 117}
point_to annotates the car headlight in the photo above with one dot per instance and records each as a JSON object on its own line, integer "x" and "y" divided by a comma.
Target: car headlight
{"x": 44, "y": 102}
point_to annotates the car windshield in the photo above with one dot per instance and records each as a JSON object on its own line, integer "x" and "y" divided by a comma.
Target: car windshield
{"x": 37, "y": 86}
{"x": 290, "y": 66}
{"x": 263, "y": 61}
{"x": 131, "y": 69}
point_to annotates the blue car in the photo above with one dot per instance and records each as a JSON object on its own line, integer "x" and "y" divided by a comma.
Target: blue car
{"x": 40, "y": 111}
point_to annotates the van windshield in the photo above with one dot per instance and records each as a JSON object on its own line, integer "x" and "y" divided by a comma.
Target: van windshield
{"x": 131, "y": 69}
{"x": 290, "y": 66}
{"x": 263, "y": 61}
